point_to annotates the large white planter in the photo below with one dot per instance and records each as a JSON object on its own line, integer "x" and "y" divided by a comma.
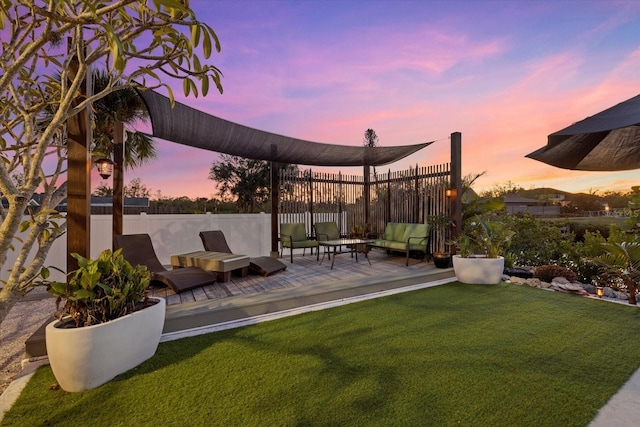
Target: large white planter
{"x": 481, "y": 270}
{"x": 87, "y": 357}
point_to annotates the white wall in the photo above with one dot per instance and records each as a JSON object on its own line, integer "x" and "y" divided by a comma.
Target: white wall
{"x": 247, "y": 234}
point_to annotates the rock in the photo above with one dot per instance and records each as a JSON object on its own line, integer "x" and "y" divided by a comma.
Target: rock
{"x": 517, "y": 280}
{"x": 544, "y": 285}
{"x": 620, "y": 295}
{"x": 589, "y": 288}
{"x": 560, "y": 280}
{"x": 533, "y": 282}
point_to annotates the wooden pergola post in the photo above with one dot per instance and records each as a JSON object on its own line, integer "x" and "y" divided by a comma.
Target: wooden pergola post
{"x": 275, "y": 201}
{"x": 456, "y": 183}
{"x": 117, "y": 212}
{"x": 79, "y": 137}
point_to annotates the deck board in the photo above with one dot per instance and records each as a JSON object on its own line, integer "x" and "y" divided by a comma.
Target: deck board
{"x": 305, "y": 271}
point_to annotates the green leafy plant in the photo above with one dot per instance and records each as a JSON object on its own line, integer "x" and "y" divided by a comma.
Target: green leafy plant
{"x": 621, "y": 262}
{"x": 101, "y": 290}
{"x": 440, "y": 223}
{"x": 485, "y": 237}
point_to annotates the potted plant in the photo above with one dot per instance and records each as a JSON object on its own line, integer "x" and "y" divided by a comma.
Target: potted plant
{"x": 480, "y": 246}
{"x": 440, "y": 224}
{"x": 106, "y": 322}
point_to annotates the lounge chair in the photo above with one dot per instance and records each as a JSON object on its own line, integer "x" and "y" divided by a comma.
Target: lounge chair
{"x": 138, "y": 249}
{"x": 215, "y": 241}
{"x": 294, "y": 236}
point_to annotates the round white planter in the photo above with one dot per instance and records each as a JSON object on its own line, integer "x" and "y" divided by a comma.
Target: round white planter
{"x": 481, "y": 270}
{"x": 87, "y": 357}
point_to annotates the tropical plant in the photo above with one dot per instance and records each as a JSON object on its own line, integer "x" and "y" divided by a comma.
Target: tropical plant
{"x": 101, "y": 290}
{"x": 485, "y": 237}
{"x": 124, "y": 106}
{"x": 48, "y": 50}
{"x": 621, "y": 262}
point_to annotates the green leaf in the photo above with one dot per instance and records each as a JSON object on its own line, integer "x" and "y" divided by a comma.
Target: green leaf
{"x": 82, "y": 294}
{"x": 205, "y": 86}
{"x": 206, "y": 46}
{"x": 195, "y": 34}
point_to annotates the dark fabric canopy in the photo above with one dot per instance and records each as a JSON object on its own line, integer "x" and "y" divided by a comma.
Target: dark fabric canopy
{"x": 185, "y": 125}
{"x": 607, "y": 141}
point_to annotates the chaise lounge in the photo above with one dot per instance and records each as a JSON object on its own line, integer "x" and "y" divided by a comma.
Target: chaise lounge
{"x": 138, "y": 250}
{"x": 215, "y": 241}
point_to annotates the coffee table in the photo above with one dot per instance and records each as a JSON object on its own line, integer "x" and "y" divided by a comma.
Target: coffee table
{"x": 222, "y": 263}
{"x": 351, "y": 244}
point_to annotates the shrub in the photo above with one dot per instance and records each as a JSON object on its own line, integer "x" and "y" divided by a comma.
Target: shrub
{"x": 536, "y": 242}
{"x": 548, "y": 272}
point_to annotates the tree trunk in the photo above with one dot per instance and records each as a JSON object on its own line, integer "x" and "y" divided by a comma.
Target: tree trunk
{"x": 8, "y": 298}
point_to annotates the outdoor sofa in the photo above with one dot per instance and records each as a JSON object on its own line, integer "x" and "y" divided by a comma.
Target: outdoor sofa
{"x": 404, "y": 237}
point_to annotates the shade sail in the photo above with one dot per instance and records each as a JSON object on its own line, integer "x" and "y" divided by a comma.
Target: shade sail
{"x": 185, "y": 125}
{"x": 607, "y": 141}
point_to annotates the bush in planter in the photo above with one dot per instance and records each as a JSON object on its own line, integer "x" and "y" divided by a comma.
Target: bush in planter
{"x": 484, "y": 237}
{"x": 104, "y": 330}
{"x": 480, "y": 247}
{"x": 101, "y": 290}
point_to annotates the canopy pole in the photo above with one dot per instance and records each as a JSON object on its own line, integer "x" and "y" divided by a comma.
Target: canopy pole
{"x": 456, "y": 183}
{"x": 275, "y": 202}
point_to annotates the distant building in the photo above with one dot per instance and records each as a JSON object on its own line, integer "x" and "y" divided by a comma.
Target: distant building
{"x": 516, "y": 204}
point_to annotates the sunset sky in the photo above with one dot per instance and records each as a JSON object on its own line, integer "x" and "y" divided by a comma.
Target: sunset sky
{"x": 503, "y": 73}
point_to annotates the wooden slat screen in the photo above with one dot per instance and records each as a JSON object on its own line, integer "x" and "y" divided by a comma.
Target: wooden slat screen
{"x": 412, "y": 195}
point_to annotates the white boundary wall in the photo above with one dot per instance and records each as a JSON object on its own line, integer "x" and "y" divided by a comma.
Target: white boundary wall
{"x": 247, "y": 234}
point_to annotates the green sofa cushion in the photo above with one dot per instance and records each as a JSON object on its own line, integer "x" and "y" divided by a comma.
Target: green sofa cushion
{"x": 394, "y": 231}
{"x": 296, "y": 231}
{"x": 416, "y": 230}
{"x": 390, "y": 244}
{"x": 327, "y": 230}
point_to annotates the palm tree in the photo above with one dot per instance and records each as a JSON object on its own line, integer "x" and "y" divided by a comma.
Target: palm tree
{"x": 621, "y": 261}
{"x": 126, "y": 106}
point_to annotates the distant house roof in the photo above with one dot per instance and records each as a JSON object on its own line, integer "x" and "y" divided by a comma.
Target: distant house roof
{"x": 140, "y": 202}
{"x": 517, "y": 199}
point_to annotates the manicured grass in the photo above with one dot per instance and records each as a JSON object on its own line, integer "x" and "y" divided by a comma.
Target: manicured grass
{"x": 451, "y": 355}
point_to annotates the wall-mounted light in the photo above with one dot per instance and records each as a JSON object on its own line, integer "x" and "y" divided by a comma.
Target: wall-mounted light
{"x": 448, "y": 192}
{"x": 105, "y": 167}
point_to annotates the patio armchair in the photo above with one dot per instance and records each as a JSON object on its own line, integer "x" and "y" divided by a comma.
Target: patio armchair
{"x": 215, "y": 241}
{"x": 326, "y": 231}
{"x": 138, "y": 250}
{"x": 294, "y": 236}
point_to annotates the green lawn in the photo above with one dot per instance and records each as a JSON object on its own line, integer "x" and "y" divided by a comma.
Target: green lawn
{"x": 451, "y": 355}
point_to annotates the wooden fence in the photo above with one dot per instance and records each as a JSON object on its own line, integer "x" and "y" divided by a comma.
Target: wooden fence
{"x": 413, "y": 195}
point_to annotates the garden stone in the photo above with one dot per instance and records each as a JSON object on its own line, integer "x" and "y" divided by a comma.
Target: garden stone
{"x": 517, "y": 280}
{"x": 533, "y": 282}
{"x": 610, "y": 292}
{"x": 621, "y": 295}
{"x": 589, "y": 288}
{"x": 560, "y": 280}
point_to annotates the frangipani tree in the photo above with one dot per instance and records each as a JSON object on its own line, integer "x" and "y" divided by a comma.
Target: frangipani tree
{"x": 48, "y": 48}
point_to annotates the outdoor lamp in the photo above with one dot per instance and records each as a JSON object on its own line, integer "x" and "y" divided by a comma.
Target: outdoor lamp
{"x": 448, "y": 192}
{"x": 600, "y": 291}
{"x": 105, "y": 167}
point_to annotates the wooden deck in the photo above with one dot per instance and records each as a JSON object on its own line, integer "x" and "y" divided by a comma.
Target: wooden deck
{"x": 304, "y": 282}
{"x": 304, "y": 272}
